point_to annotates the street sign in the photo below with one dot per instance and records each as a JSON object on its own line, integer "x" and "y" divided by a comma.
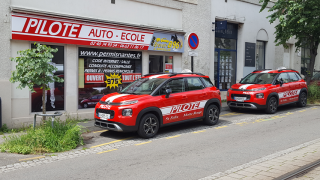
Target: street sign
{"x": 193, "y": 53}
{"x": 193, "y": 41}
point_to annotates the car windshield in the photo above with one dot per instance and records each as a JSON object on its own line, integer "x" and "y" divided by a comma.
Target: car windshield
{"x": 259, "y": 78}
{"x": 143, "y": 86}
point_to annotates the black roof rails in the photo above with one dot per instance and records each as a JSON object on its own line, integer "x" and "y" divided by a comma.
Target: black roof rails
{"x": 287, "y": 69}
{"x": 261, "y": 70}
{"x": 174, "y": 74}
{"x": 150, "y": 74}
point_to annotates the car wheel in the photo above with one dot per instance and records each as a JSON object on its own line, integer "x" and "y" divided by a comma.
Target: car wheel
{"x": 149, "y": 126}
{"x": 85, "y": 105}
{"x": 233, "y": 108}
{"x": 212, "y": 115}
{"x": 302, "y": 99}
{"x": 272, "y": 105}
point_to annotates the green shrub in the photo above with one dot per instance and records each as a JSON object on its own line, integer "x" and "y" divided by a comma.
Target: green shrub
{"x": 65, "y": 135}
{"x": 313, "y": 92}
{"x": 4, "y": 129}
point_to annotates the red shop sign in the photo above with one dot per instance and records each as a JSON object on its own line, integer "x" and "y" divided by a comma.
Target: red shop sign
{"x": 130, "y": 77}
{"x": 48, "y": 29}
{"x": 94, "y": 77}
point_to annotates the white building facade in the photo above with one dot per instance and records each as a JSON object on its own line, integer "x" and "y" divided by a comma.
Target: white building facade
{"x": 103, "y": 45}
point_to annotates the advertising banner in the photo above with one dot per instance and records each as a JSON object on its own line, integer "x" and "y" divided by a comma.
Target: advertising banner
{"x": 167, "y": 42}
{"x": 58, "y": 30}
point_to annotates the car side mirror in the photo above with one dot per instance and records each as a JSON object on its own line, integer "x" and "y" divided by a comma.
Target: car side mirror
{"x": 279, "y": 82}
{"x": 168, "y": 92}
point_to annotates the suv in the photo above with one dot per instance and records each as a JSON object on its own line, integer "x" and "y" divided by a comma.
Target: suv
{"x": 92, "y": 101}
{"x": 158, "y": 100}
{"x": 268, "y": 89}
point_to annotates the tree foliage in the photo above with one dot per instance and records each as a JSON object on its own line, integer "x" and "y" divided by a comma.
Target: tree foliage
{"x": 34, "y": 68}
{"x": 299, "y": 19}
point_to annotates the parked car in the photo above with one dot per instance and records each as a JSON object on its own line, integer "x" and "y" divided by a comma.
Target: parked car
{"x": 158, "y": 100}
{"x": 92, "y": 101}
{"x": 268, "y": 89}
{"x": 316, "y": 78}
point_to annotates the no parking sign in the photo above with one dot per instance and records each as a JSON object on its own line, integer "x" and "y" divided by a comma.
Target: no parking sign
{"x": 193, "y": 41}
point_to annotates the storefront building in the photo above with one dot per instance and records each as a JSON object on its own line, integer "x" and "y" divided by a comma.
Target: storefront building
{"x": 101, "y": 49}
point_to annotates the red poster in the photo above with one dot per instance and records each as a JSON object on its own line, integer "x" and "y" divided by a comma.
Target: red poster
{"x": 168, "y": 65}
{"x": 94, "y": 77}
{"x": 130, "y": 77}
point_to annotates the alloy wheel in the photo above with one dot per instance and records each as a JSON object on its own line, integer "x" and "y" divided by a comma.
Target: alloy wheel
{"x": 150, "y": 125}
{"x": 213, "y": 114}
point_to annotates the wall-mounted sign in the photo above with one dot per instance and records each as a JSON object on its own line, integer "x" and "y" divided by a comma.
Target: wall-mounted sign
{"x": 167, "y": 42}
{"x": 58, "y": 30}
{"x": 221, "y": 25}
{"x": 249, "y": 59}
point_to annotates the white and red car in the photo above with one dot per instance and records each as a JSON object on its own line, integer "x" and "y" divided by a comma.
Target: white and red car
{"x": 158, "y": 100}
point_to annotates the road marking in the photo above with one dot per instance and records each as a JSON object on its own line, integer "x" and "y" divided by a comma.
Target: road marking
{"x": 199, "y": 131}
{"x": 32, "y": 158}
{"x": 110, "y": 142}
{"x": 143, "y": 143}
{"x": 221, "y": 127}
{"x": 99, "y": 131}
{"x": 231, "y": 114}
{"x": 172, "y": 137}
{"x": 314, "y": 108}
{"x": 288, "y": 113}
{"x": 107, "y": 151}
{"x": 302, "y": 111}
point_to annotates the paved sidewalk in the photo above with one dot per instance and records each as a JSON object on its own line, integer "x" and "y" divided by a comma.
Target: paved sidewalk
{"x": 274, "y": 168}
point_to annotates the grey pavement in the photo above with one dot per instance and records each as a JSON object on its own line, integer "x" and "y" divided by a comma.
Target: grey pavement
{"x": 266, "y": 168}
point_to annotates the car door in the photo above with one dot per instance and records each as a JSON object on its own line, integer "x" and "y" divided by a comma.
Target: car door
{"x": 294, "y": 85}
{"x": 172, "y": 106}
{"x": 283, "y": 89}
{"x": 196, "y": 96}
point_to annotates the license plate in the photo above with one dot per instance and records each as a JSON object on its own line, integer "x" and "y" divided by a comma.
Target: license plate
{"x": 104, "y": 116}
{"x": 240, "y": 98}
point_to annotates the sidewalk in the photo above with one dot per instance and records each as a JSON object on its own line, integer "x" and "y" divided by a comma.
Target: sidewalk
{"x": 277, "y": 168}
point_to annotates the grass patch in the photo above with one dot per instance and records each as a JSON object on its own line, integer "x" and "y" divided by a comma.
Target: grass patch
{"x": 314, "y": 93}
{"x": 65, "y": 135}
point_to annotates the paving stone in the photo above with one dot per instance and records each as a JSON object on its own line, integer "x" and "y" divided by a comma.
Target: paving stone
{"x": 252, "y": 170}
{"x": 269, "y": 174}
{"x": 249, "y": 178}
{"x": 227, "y": 178}
{"x": 246, "y": 173}
{"x": 237, "y": 176}
{"x": 260, "y": 167}
{"x": 262, "y": 177}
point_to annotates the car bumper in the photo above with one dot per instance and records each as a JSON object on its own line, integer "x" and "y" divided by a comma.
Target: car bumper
{"x": 246, "y": 105}
{"x": 114, "y": 126}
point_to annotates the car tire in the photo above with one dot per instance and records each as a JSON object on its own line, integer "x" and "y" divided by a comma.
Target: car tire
{"x": 272, "y": 105}
{"x": 233, "y": 108}
{"x": 149, "y": 126}
{"x": 85, "y": 105}
{"x": 212, "y": 115}
{"x": 302, "y": 99}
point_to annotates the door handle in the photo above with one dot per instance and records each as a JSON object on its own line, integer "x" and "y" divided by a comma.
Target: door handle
{"x": 203, "y": 95}
{"x": 184, "y": 97}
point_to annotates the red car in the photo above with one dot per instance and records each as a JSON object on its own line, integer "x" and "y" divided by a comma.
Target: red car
{"x": 92, "y": 101}
{"x": 268, "y": 89}
{"x": 158, "y": 100}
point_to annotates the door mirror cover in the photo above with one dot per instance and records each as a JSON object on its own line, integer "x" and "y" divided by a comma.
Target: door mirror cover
{"x": 168, "y": 92}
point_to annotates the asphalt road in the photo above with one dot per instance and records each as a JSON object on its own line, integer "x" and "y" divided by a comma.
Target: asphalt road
{"x": 188, "y": 151}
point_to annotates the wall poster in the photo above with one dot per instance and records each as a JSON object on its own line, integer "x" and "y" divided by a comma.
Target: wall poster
{"x": 104, "y": 71}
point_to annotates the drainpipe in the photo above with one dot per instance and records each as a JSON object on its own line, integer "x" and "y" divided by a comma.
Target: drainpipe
{"x": 0, "y": 114}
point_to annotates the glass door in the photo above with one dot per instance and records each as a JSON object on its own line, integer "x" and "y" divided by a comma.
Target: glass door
{"x": 155, "y": 64}
{"x": 225, "y": 68}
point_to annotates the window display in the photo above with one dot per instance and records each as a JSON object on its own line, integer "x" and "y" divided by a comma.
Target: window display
{"x": 54, "y": 96}
{"x": 104, "y": 71}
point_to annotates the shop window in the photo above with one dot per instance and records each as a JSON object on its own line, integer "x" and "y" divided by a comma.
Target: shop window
{"x": 54, "y": 96}
{"x": 103, "y": 71}
{"x": 157, "y": 64}
{"x": 260, "y": 55}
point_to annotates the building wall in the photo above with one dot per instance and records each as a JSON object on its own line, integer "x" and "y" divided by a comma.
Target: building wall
{"x": 189, "y": 16}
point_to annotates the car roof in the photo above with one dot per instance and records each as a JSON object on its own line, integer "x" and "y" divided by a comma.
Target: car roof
{"x": 274, "y": 71}
{"x": 173, "y": 75}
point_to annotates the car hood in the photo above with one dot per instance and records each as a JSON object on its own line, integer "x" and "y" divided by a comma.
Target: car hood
{"x": 118, "y": 98}
{"x": 249, "y": 86}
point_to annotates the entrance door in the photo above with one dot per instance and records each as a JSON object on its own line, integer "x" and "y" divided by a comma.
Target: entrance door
{"x": 155, "y": 64}
{"x": 225, "y": 68}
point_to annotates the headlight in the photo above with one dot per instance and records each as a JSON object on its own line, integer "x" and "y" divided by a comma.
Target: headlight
{"x": 260, "y": 95}
{"x": 128, "y": 102}
{"x": 259, "y": 89}
{"x": 127, "y": 112}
